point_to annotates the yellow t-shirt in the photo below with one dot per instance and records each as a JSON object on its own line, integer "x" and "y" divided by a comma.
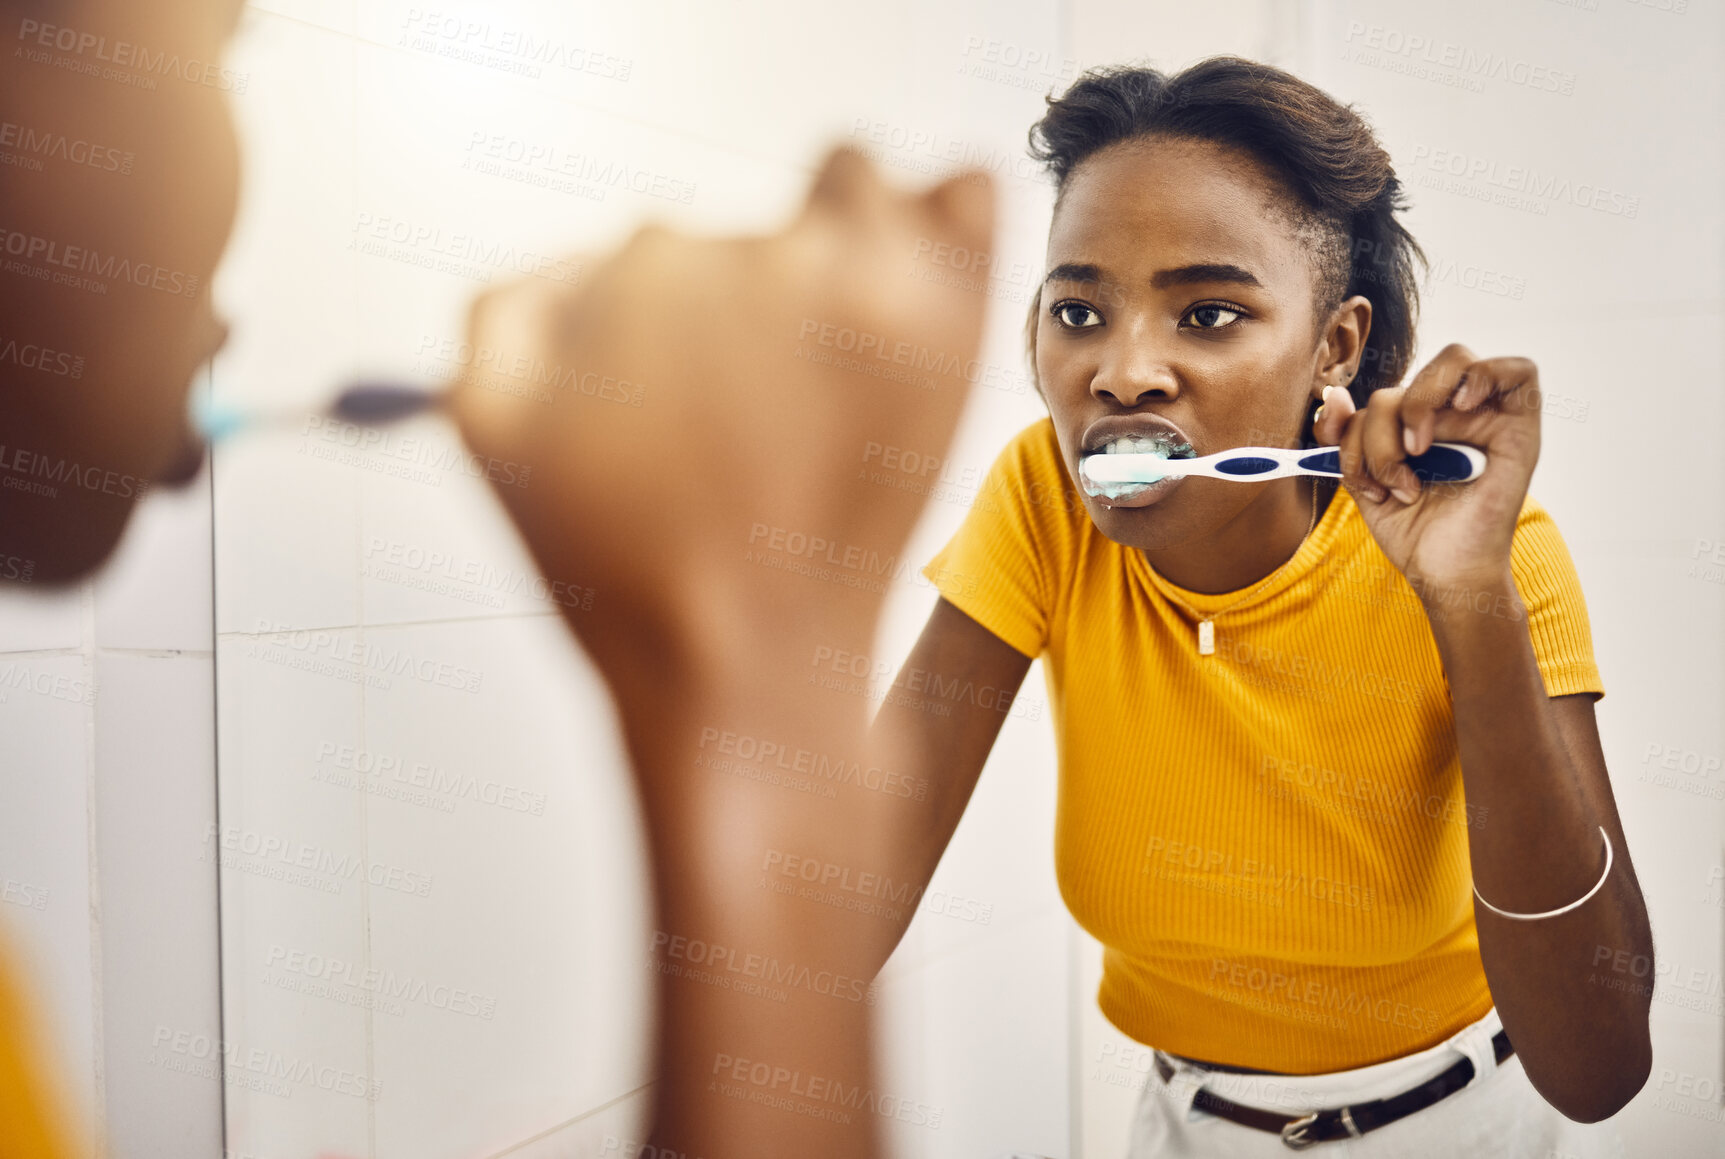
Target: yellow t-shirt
{"x": 29, "y": 1123}
{"x": 1270, "y": 842}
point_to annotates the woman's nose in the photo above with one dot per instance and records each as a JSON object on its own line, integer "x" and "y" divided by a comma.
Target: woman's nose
{"x": 1132, "y": 371}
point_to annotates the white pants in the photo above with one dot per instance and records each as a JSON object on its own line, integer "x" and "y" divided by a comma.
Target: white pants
{"x": 1497, "y": 1114}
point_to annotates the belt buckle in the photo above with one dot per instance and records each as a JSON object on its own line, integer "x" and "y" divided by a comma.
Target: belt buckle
{"x": 1294, "y": 1132}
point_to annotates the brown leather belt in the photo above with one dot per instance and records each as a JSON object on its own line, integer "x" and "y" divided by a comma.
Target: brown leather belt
{"x": 1341, "y": 1122}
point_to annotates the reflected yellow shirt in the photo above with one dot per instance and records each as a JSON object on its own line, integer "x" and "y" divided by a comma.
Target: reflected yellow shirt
{"x": 28, "y": 1127}
{"x": 1270, "y": 842}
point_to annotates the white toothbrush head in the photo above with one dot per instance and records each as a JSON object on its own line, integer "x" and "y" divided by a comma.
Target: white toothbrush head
{"x": 1110, "y": 476}
{"x": 1126, "y": 465}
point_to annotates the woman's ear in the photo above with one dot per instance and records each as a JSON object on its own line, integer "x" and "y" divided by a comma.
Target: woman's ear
{"x": 1338, "y": 364}
{"x": 1344, "y": 343}
{"x": 1030, "y": 342}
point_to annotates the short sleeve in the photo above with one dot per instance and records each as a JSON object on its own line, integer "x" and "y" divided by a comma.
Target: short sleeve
{"x": 32, "y": 1118}
{"x": 999, "y": 568}
{"x": 1546, "y": 580}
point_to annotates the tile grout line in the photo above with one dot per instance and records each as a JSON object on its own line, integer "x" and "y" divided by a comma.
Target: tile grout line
{"x": 512, "y": 617}
{"x": 93, "y": 871}
{"x": 216, "y": 790}
{"x": 567, "y": 1123}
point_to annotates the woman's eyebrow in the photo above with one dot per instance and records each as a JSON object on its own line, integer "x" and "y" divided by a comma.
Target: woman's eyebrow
{"x": 1204, "y": 272}
{"x": 1161, "y": 279}
{"x": 1074, "y": 272}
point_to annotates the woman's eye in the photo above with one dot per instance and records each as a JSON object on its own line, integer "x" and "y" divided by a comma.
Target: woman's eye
{"x": 1077, "y": 315}
{"x": 1212, "y": 317}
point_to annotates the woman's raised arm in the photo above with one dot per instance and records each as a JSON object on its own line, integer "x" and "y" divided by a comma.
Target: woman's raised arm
{"x": 693, "y": 483}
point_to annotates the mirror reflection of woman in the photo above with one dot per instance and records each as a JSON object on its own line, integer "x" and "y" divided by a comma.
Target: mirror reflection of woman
{"x": 1299, "y": 724}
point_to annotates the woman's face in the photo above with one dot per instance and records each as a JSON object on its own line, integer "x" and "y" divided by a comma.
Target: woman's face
{"x": 76, "y": 453}
{"x": 1180, "y": 307}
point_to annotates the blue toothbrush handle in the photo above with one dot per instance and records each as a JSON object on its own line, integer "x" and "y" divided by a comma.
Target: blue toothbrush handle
{"x": 383, "y": 402}
{"x": 1440, "y": 463}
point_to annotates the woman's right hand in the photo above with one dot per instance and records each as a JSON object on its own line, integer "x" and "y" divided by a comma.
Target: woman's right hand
{"x": 722, "y": 397}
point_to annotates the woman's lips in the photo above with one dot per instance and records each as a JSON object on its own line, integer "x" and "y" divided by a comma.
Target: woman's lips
{"x": 1144, "y": 453}
{"x": 187, "y": 461}
{"x": 1143, "y": 436}
{"x": 1139, "y": 494}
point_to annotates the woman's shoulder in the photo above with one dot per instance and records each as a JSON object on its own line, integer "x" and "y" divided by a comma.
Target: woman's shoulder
{"x": 1539, "y": 558}
{"x": 1535, "y": 530}
{"x": 1034, "y": 452}
{"x": 1031, "y": 474}
{"x": 1532, "y": 511}
{"x": 1027, "y": 510}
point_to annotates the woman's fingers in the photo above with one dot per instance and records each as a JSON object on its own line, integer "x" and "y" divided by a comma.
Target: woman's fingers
{"x": 847, "y": 184}
{"x": 1399, "y": 422}
{"x": 963, "y": 208}
{"x": 1342, "y": 426}
{"x": 1372, "y": 448}
{"x": 1432, "y": 389}
{"x": 1511, "y": 383}
{"x": 1383, "y": 444}
{"x": 1333, "y": 416}
{"x": 1360, "y": 440}
{"x": 505, "y": 317}
{"x": 1352, "y": 454}
{"x": 954, "y": 216}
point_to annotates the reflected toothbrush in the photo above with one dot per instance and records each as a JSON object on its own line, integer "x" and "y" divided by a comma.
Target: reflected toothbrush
{"x": 364, "y": 403}
{"x": 1441, "y": 463}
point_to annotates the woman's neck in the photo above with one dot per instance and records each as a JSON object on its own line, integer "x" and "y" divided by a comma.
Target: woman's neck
{"x": 1247, "y": 548}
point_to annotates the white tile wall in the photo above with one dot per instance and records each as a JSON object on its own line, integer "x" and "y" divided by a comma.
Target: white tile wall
{"x": 42, "y": 621}
{"x": 107, "y": 786}
{"x": 160, "y": 962}
{"x": 156, "y": 596}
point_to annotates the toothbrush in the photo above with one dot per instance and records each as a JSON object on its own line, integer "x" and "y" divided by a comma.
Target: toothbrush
{"x": 363, "y": 403}
{"x": 377, "y": 403}
{"x": 1442, "y": 463}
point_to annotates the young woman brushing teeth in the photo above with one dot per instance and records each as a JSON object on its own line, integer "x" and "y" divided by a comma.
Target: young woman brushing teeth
{"x": 1299, "y": 724}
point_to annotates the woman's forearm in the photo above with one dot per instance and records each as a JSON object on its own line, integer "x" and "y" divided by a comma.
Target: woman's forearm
{"x": 1583, "y": 1039}
{"x": 764, "y": 1037}
{"x": 791, "y": 844}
